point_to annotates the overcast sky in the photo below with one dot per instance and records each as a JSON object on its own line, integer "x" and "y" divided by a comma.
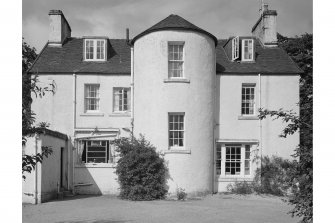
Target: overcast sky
{"x": 223, "y": 18}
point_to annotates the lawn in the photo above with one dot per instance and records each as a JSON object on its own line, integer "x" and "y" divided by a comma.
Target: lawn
{"x": 107, "y": 209}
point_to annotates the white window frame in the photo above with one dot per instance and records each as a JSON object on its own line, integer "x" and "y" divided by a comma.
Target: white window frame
{"x": 250, "y": 48}
{"x": 176, "y": 147}
{"x": 223, "y": 148}
{"x": 95, "y": 49}
{"x": 87, "y": 98}
{"x": 115, "y": 91}
{"x": 235, "y": 48}
{"x": 247, "y": 101}
{"x": 171, "y": 61}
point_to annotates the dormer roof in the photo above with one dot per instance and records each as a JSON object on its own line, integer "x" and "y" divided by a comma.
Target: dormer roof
{"x": 174, "y": 22}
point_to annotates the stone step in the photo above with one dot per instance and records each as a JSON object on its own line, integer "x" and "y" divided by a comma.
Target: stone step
{"x": 68, "y": 193}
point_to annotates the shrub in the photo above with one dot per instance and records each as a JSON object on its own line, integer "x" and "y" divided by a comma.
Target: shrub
{"x": 181, "y": 194}
{"x": 240, "y": 188}
{"x": 274, "y": 177}
{"x": 141, "y": 171}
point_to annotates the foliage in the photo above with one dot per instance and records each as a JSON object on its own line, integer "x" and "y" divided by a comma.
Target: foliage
{"x": 274, "y": 176}
{"x": 29, "y": 162}
{"x": 30, "y": 86}
{"x": 141, "y": 171}
{"x": 240, "y": 187}
{"x": 300, "y": 49}
{"x": 181, "y": 194}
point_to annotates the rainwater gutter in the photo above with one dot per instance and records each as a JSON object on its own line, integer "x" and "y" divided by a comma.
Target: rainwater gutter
{"x": 74, "y": 132}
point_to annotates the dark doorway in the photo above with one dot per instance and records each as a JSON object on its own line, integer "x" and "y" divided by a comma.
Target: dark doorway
{"x": 61, "y": 165}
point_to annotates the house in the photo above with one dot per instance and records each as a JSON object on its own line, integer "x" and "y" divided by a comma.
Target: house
{"x": 193, "y": 96}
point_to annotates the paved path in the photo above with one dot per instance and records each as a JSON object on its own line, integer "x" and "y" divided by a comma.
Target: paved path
{"x": 107, "y": 209}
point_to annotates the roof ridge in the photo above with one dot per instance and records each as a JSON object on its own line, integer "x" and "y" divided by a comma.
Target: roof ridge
{"x": 174, "y": 22}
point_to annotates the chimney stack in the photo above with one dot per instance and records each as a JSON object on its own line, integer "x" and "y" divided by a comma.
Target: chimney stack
{"x": 266, "y": 27}
{"x": 59, "y": 28}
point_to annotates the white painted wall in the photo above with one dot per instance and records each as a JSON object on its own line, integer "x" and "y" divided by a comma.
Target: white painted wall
{"x": 277, "y": 91}
{"x": 51, "y": 167}
{"x": 57, "y": 109}
{"x": 154, "y": 99}
{"x": 41, "y": 184}
{"x": 96, "y": 179}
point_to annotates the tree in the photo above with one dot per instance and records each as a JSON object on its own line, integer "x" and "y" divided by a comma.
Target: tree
{"x": 30, "y": 86}
{"x": 300, "y": 49}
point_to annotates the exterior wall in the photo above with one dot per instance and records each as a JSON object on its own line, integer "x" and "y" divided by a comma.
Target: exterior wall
{"x": 42, "y": 183}
{"x": 32, "y": 184}
{"x": 57, "y": 109}
{"x": 96, "y": 179}
{"x": 51, "y": 167}
{"x": 106, "y": 118}
{"x": 277, "y": 91}
{"x": 155, "y": 97}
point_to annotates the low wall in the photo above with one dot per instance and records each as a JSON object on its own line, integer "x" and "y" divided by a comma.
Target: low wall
{"x": 96, "y": 179}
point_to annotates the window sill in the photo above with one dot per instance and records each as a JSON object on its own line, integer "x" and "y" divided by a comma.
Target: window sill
{"x": 95, "y": 165}
{"x": 251, "y": 117}
{"x": 236, "y": 178}
{"x": 176, "y": 80}
{"x": 248, "y": 61}
{"x": 177, "y": 151}
{"x": 92, "y": 114}
{"x": 119, "y": 114}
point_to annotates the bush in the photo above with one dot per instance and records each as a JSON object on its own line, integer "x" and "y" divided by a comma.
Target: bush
{"x": 141, "y": 171}
{"x": 275, "y": 176}
{"x": 181, "y": 194}
{"x": 240, "y": 188}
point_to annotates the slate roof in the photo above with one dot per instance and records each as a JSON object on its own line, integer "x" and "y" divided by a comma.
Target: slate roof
{"x": 69, "y": 59}
{"x": 267, "y": 61}
{"x": 174, "y": 22}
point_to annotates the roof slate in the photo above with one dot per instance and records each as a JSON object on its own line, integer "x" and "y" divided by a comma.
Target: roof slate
{"x": 69, "y": 59}
{"x": 174, "y": 22}
{"x": 267, "y": 60}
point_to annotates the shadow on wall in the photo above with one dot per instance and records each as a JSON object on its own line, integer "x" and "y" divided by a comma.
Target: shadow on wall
{"x": 85, "y": 182}
{"x": 167, "y": 175}
{"x": 217, "y": 112}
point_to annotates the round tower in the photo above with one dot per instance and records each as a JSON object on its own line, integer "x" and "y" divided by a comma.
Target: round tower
{"x": 174, "y": 75}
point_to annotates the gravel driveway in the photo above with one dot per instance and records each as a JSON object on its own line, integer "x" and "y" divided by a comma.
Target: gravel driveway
{"x": 107, "y": 209}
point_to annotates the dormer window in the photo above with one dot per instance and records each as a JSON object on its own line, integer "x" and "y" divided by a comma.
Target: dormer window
{"x": 247, "y": 50}
{"x": 95, "y": 50}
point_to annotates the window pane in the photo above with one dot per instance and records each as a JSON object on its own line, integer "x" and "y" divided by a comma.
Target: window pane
{"x": 176, "y": 132}
{"x": 233, "y": 160}
{"x": 96, "y": 151}
{"x": 175, "y": 57}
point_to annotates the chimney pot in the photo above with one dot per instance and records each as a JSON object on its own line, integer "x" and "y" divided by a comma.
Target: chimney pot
{"x": 127, "y": 35}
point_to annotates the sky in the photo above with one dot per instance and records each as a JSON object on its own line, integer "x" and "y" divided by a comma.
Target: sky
{"x": 222, "y": 18}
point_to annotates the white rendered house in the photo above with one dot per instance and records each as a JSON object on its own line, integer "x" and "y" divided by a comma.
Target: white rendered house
{"x": 193, "y": 96}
